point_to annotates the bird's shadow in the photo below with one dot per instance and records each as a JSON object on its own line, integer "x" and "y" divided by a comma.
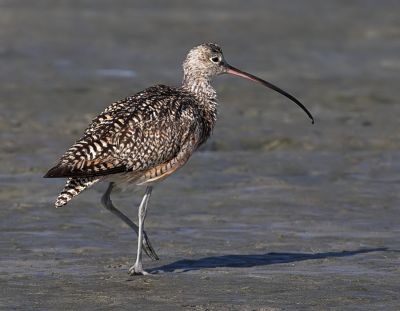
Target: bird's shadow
{"x": 245, "y": 261}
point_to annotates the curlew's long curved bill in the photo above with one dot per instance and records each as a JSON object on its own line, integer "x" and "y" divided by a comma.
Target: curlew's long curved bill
{"x": 237, "y": 72}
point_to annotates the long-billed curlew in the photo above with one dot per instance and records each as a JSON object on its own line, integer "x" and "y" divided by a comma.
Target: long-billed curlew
{"x": 144, "y": 138}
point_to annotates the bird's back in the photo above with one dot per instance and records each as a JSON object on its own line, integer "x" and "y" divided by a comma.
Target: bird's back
{"x": 136, "y": 135}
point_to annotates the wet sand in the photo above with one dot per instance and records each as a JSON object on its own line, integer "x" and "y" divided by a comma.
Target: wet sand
{"x": 272, "y": 214}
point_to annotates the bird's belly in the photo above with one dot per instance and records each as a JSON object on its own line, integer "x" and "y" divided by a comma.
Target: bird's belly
{"x": 151, "y": 175}
{"x": 159, "y": 172}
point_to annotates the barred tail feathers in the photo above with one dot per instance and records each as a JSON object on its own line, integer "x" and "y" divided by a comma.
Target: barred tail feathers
{"x": 72, "y": 188}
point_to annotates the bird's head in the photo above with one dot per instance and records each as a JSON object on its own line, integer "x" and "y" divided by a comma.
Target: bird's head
{"x": 207, "y": 61}
{"x": 204, "y": 61}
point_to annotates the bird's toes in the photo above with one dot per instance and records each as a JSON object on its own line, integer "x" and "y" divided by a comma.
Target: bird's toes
{"x": 137, "y": 270}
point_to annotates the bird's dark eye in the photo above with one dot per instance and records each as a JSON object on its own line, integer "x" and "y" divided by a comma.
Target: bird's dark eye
{"x": 215, "y": 59}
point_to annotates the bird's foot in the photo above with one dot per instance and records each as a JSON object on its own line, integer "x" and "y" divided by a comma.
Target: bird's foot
{"x": 137, "y": 269}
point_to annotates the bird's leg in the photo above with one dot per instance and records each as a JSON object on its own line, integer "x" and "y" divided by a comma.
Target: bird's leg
{"x": 108, "y": 204}
{"x": 137, "y": 268}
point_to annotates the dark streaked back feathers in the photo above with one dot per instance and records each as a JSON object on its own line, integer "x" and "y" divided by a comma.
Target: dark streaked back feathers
{"x": 134, "y": 134}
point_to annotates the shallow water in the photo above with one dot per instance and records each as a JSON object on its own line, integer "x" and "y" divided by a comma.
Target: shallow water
{"x": 272, "y": 213}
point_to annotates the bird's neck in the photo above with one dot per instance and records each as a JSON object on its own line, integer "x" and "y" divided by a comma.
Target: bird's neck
{"x": 201, "y": 88}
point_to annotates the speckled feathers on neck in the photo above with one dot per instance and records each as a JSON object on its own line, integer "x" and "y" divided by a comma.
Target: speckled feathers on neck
{"x": 199, "y": 70}
{"x": 201, "y": 65}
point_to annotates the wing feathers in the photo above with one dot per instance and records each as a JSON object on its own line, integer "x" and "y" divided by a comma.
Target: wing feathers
{"x": 60, "y": 171}
{"x": 135, "y": 134}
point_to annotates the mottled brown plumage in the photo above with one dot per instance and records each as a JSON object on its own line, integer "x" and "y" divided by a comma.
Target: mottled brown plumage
{"x": 137, "y": 134}
{"x": 146, "y": 137}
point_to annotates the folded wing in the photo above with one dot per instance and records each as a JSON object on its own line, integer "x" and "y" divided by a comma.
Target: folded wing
{"x": 135, "y": 134}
